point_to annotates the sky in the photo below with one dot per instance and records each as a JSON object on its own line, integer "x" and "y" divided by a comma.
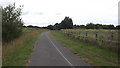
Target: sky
{"x": 45, "y": 12}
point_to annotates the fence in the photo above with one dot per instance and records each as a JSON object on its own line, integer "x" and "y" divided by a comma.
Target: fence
{"x": 104, "y": 38}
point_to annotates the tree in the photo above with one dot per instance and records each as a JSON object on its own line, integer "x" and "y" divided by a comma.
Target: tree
{"x": 57, "y": 26}
{"x": 104, "y": 26}
{"x": 111, "y": 27}
{"x": 67, "y": 23}
{"x": 79, "y": 26}
{"x": 108, "y": 27}
{"x": 51, "y": 27}
{"x": 90, "y": 26}
{"x": 118, "y": 27}
{"x": 98, "y": 26}
{"x": 11, "y": 23}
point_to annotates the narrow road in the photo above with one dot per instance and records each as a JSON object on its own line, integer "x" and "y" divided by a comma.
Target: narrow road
{"x": 49, "y": 52}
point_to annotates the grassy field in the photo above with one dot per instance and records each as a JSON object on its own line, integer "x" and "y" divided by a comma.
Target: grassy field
{"x": 104, "y": 38}
{"x": 102, "y": 33}
{"x": 92, "y": 54}
{"x": 18, "y": 51}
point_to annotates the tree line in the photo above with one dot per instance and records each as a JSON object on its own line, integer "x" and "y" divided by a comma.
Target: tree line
{"x": 67, "y": 23}
{"x": 96, "y": 26}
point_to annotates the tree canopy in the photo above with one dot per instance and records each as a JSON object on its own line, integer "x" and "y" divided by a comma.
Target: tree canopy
{"x": 96, "y": 26}
{"x": 67, "y": 23}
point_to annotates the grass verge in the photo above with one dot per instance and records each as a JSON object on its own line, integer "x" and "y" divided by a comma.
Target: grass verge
{"x": 17, "y": 52}
{"x": 92, "y": 54}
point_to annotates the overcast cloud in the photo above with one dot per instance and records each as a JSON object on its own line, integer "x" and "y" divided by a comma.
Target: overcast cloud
{"x": 45, "y": 12}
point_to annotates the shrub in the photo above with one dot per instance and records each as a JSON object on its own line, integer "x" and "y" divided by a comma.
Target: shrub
{"x": 11, "y": 23}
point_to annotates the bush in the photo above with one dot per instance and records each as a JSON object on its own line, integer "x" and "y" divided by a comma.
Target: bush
{"x": 11, "y": 23}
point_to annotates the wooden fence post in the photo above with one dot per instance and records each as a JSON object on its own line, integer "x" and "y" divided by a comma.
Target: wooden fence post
{"x": 112, "y": 36}
{"x": 86, "y": 36}
{"x": 96, "y": 35}
{"x": 79, "y": 35}
{"x": 86, "y": 33}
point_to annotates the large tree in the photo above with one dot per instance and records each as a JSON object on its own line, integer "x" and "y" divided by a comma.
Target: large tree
{"x": 57, "y": 26}
{"x": 11, "y": 23}
{"x": 90, "y": 26}
{"x": 51, "y": 27}
{"x": 67, "y": 23}
{"x": 118, "y": 27}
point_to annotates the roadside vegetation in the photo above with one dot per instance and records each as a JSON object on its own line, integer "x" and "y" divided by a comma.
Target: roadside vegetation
{"x": 103, "y": 38}
{"x": 17, "y": 41}
{"x": 18, "y": 51}
{"x": 11, "y": 23}
{"x": 92, "y": 54}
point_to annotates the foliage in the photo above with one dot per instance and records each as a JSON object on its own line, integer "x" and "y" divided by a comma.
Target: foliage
{"x": 18, "y": 51}
{"x": 67, "y": 23}
{"x": 31, "y": 26}
{"x": 51, "y": 27}
{"x": 11, "y": 23}
{"x": 95, "y": 26}
{"x": 108, "y": 27}
{"x": 118, "y": 27}
{"x": 79, "y": 26}
{"x": 57, "y": 26}
{"x": 90, "y": 26}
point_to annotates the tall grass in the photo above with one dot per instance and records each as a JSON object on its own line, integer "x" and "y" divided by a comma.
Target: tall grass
{"x": 104, "y": 38}
{"x": 17, "y": 52}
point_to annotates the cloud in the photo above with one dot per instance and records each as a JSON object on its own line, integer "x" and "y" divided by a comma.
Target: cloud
{"x": 39, "y": 13}
{"x": 44, "y": 12}
{"x": 4, "y": 3}
{"x": 25, "y": 13}
{"x": 58, "y": 13}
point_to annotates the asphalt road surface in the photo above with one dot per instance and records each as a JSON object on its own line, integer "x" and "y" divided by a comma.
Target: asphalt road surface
{"x": 50, "y": 52}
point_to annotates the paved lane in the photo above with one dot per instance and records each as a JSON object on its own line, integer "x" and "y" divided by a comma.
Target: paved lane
{"x": 49, "y": 52}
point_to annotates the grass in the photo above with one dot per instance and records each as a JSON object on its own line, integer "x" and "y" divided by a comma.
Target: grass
{"x": 102, "y": 33}
{"x": 92, "y": 54}
{"x": 17, "y": 52}
{"x": 102, "y": 36}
